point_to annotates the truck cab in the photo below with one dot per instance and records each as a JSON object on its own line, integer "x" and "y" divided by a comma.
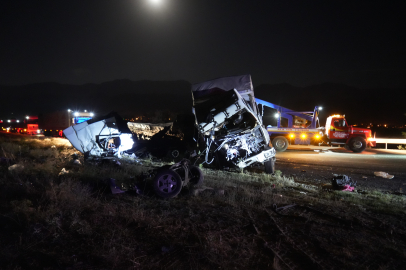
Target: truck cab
{"x": 339, "y": 132}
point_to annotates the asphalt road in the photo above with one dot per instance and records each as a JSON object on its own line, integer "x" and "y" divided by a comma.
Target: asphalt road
{"x": 316, "y": 165}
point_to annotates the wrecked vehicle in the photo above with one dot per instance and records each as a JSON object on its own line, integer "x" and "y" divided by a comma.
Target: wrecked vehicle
{"x": 229, "y": 123}
{"x": 109, "y": 137}
{"x": 104, "y": 137}
{"x": 169, "y": 180}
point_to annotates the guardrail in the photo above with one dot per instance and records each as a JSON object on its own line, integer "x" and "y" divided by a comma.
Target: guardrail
{"x": 393, "y": 141}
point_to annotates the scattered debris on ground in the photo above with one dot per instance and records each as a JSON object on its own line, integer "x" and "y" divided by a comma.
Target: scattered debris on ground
{"x": 63, "y": 171}
{"x": 343, "y": 183}
{"x": 384, "y": 175}
{"x": 114, "y": 188}
{"x": 16, "y": 167}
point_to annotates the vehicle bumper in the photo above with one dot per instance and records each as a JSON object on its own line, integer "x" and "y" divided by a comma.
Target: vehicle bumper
{"x": 371, "y": 143}
{"x": 262, "y": 157}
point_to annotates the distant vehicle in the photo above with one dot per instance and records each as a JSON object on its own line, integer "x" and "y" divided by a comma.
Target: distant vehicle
{"x": 31, "y": 125}
{"x": 229, "y": 125}
{"x": 301, "y": 129}
{"x": 53, "y": 124}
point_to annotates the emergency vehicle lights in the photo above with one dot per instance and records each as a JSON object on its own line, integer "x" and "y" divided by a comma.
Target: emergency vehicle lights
{"x": 292, "y": 135}
{"x": 317, "y": 136}
{"x": 303, "y": 136}
{"x": 320, "y": 108}
{"x": 91, "y": 114}
{"x": 27, "y": 117}
{"x": 276, "y": 115}
{"x": 76, "y": 114}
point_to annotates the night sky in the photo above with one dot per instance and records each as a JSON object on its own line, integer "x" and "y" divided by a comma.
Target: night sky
{"x": 358, "y": 43}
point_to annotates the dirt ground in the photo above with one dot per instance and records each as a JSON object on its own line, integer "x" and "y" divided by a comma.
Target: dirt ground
{"x": 320, "y": 175}
{"x": 247, "y": 220}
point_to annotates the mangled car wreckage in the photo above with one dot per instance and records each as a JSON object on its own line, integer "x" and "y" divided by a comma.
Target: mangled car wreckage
{"x": 105, "y": 137}
{"x": 229, "y": 123}
{"x": 109, "y": 138}
{"x": 230, "y": 134}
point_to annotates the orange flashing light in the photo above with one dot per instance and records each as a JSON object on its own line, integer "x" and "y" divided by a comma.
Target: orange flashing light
{"x": 292, "y": 135}
{"x": 303, "y": 136}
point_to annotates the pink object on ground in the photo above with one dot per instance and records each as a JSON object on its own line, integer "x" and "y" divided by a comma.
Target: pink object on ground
{"x": 348, "y": 188}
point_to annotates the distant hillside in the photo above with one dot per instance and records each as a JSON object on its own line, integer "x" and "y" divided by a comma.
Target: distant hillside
{"x": 122, "y": 96}
{"x": 359, "y": 105}
{"x": 132, "y": 97}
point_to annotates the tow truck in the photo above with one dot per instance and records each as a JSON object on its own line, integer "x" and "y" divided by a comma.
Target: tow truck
{"x": 303, "y": 128}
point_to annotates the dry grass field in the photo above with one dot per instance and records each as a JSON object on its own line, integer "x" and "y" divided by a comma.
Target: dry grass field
{"x": 234, "y": 221}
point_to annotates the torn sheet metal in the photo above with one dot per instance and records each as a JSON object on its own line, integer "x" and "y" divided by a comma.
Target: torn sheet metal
{"x": 228, "y": 121}
{"x": 101, "y": 137}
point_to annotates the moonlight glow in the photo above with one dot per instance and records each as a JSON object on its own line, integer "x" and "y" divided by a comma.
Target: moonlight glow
{"x": 156, "y": 2}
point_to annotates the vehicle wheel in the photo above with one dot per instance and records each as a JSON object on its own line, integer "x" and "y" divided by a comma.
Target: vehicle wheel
{"x": 197, "y": 175}
{"x": 357, "y": 144}
{"x": 167, "y": 183}
{"x": 280, "y": 143}
{"x": 270, "y": 166}
{"x": 175, "y": 153}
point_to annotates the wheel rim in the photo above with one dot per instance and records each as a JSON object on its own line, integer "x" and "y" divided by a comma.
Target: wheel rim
{"x": 175, "y": 153}
{"x": 280, "y": 144}
{"x": 357, "y": 144}
{"x": 167, "y": 183}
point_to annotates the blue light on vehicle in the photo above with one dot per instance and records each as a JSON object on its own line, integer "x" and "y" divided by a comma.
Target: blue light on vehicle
{"x": 79, "y": 120}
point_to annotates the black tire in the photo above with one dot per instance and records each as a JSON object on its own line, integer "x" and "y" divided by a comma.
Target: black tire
{"x": 197, "y": 175}
{"x": 270, "y": 166}
{"x": 280, "y": 143}
{"x": 357, "y": 144}
{"x": 167, "y": 183}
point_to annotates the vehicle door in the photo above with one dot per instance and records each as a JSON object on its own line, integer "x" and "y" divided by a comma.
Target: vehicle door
{"x": 338, "y": 129}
